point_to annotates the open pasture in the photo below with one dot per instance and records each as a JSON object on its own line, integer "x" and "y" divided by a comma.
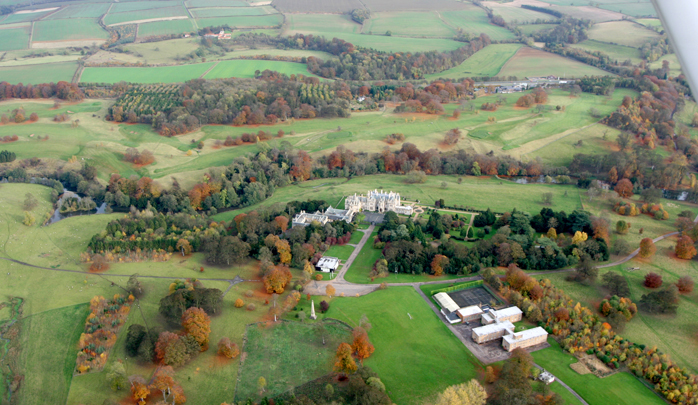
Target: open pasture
{"x": 529, "y": 29}
{"x": 215, "y": 3}
{"x": 310, "y": 6}
{"x": 160, "y": 51}
{"x": 18, "y": 18}
{"x": 165, "y": 28}
{"x": 390, "y": 5}
{"x": 230, "y": 11}
{"x": 512, "y": 11}
{"x": 412, "y": 24}
{"x": 674, "y": 64}
{"x": 36, "y": 74}
{"x": 618, "y": 53}
{"x": 561, "y": 151}
{"x": 270, "y": 20}
{"x": 485, "y": 62}
{"x": 320, "y": 24}
{"x": 247, "y": 68}
{"x": 67, "y": 30}
{"x": 124, "y": 7}
{"x": 429, "y": 357}
{"x": 16, "y": 38}
{"x": 399, "y": 44}
{"x": 650, "y": 22}
{"x": 160, "y": 74}
{"x": 84, "y": 10}
{"x": 634, "y": 9}
{"x": 529, "y": 62}
{"x": 156, "y": 13}
{"x": 474, "y": 21}
{"x": 622, "y": 33}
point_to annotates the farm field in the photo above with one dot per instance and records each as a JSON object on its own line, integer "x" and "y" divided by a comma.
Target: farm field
{"x": 649, "y": 22}
{"x": 85, "y": 10}
{"x": 327, "y": 24}
{"x": 618, "y": 53}
{"x": 216, "y": 3}
{"x": 231, "y": 11}
{"x": 532, "y": 62}
{"x": 44, "y": 73}
{"x": 619, "y": 388}
{"x": 622, "y": 33}
{"x": 64, "y": 30}
{"x": 165, "y": 28}
{"x": 475, "y": 21}
{"x": 512, "y": 11}
{"x": 12, "y": 39}
{"x": 529, "y": 29}
{"x": 436, "y": 357}
{"x": 128, "y": 16}
{"x": 247, "y": 68}
{"x": 123, "y": 7}
{"x": 17, "y": 18}
{"x": 674, "y": 64}
{"x": 485, "y": 62}
{"x": 162, "y": 74}
{"x": 635, "y": 9}
{"x": 413, "y": 24}
{"x": 271, "y": 20}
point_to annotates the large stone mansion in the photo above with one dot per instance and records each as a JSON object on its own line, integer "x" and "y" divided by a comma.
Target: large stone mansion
{"x": 374, "y": 201}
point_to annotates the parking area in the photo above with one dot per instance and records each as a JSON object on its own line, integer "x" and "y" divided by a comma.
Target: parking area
{"x": 373, "y": 217}
{"x": 472, "y": 296}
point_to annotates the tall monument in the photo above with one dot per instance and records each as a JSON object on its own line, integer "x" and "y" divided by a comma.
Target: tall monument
{"x": 312, "y": 310}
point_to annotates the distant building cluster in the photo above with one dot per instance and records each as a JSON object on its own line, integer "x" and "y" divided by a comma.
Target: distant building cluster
{"x": 496, "y": 324}
{"x": 221, "y": 35}
{"x": 374, "y": 201}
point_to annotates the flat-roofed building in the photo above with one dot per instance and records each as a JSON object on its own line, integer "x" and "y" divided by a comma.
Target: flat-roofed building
{"x": 511, "y": 314}
{"x": 446, "y": 302}
{"x": 304, "y": 219}
{"x": 469, "y": 314}
{"x": 525, "y": 338}
{"x": 493, "y": 331}
{"x": 327, "y": 264}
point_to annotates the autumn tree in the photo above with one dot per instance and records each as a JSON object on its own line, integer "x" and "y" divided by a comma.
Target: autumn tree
{"x": 329, "y": 290}
{"x": 361, "y": 346}
{"x": 184, "y": 246}
{"x": 228, "y": 349}
{"x": 470, "y": 393}
{"x": 452, "y": 137}
{"x": 344, "y": 362}
{"x": 116, "y": 376}
{"x": 302, "y": 166}
{"x": 647, "y": 248}
{"x": 622, "y": 227}
{"x": 616, "y": 284}
{"x": 275, "y": 281}
{"x": 99, "y": 263}
{"x": 282, "y": 222}
{"x": 284, "y": 250}
{"x": 308, "y": 270}
{"x": 685, "y": 285}
{"x": 438, "y": 264}
{"x": 600, "y": 227}
{"x": 197, "y": 323}
{"x": 164, "y": 381}
{"x": 171, "y": 350}
{"x": 684, "y": 248}
{"x": 624, "y": 188}
{"x": 139, "y": 389}
{"x": 653, "y": 280}
{"x": 613, "y": 175}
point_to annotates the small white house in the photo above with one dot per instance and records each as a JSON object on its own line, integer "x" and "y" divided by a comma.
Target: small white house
{"x": 327, "y": 264}
{"x": 546, "y": 377}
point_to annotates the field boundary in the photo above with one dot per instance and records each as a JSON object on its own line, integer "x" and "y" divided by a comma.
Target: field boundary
{"x": 209, "y": 69}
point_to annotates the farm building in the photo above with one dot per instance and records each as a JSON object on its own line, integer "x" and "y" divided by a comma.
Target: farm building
{"x": 469, "y": 314}
{"x": 378, "y": 201}
{"x": 327, "y": 264}
{"x": 511, "y": 314}
{"x": 493, "y": 331}
{"x": 526, "y": 338}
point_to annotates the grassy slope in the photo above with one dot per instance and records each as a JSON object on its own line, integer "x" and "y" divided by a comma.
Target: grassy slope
{"x": 486, "y": 62}
{"x": 247, "y": 68}
{"x": 164, "y": 28}
{"x": 12, "y": 39}
{"x": 529, "y": 62}
{"x": 413, "y": 24}
{"x": 72, "y": 29}
{"x": 474, "y": 21}
{"x": 162, "y": 74}
{"x": 36, "y": 74}
{"x": 619, "y": 53}
{"x": 622, "y": 33}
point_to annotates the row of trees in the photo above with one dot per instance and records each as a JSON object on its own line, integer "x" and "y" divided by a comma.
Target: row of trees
{"x": 62, "y": 90}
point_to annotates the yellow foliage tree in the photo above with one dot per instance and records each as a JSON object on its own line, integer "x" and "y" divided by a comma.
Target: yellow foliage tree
{"x": 329, "y": 290}
{"x": 552, "y": 233}
{"x": 197, "y": 323}
{"x": 470, "y": 393}
{"x": 579, "y": 237}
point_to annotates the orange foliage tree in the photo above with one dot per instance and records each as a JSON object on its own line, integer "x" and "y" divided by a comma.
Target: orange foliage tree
{"x": 685, "y": 285}
{"x": 139, "y": 389}
{"x": 197, "y": 324}
{"x": 361, "y": 346}
{"x": 284, "y": 250}
{"x": 624, "y": 188}
{"x": 170, "y": 349}
{"x": 228, "y": 349}
{"x": 329, "y": 290}
{"x": 647, "y": 248}
{"x": 344, "y": 363}
{"x": 164, "y": 381}
{"x": 684, "y": 248}
{"x": 276, "y": 280}
{"x": 302, "y": 166}
{"x": 438, "y": 264}
{"x": 282, "y": 222}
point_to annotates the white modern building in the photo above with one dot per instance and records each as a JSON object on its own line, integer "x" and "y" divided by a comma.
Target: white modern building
{"x": 511, "y": 314}
{"x": 327, "y": 264}
{"x": 471, "y": 313}
{"x": 449, "y": 307}
{"x": 525, "y": 338}
{"x": 377, "y": 201}
{"x": 493, "y": 331}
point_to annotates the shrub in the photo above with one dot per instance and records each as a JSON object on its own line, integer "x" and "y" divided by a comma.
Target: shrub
{"x": 685, "y": 285}
{"x": 239, "y": 303}
{"x": 324, "y": 306}
{"x": 249, "y": 293}
{"x": 384, "y": 286}
{"x": 251, "y": 307}
{"x": 228, "y": 349}
{"x": 318, "y": 277}
{"x": 653, "y": 280}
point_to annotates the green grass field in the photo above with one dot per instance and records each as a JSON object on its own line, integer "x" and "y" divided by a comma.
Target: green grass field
{"x": 486, "y": 62}
{"x": 622, "y": 33}
{"x": 341, "y": 252}
{"x": 288, "y": 354}
{"x": 73, "y": 29}
{"x": 649, "y": 22}
{"x": 412, "y": 24}
{"x": 618, "y": 53}
{"x": 270, "y": 20}
{"x": 161, "y": 74}
{"x": 164, "y": 12}
{"x": 17, "y": 38}
{"x": 562, "y": 151}
{"x": 532, "y": 62}
{"x": 85, "y": 10}
{"x": 164, "y": 28}
{"x": 216, "y": 3}
{"x": 231, "y": 11}
{"x": 635, "y": 9}
{"x": 49, "y": 349}
{"x": 247, "y": 68}
{"x": 620, "y": 388}
{"x": 529, "y": 29}
{"x": 123, "y": 7}
{"x": 36, "y": 74}
{"x": 428, "y": 358}
{"x": 674, "y": 65}
{"x": 475, "y": 21}
{"x": 513, "y": 12}
{"x": 17, "y": 18}
{"x": 327, "y": 24}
